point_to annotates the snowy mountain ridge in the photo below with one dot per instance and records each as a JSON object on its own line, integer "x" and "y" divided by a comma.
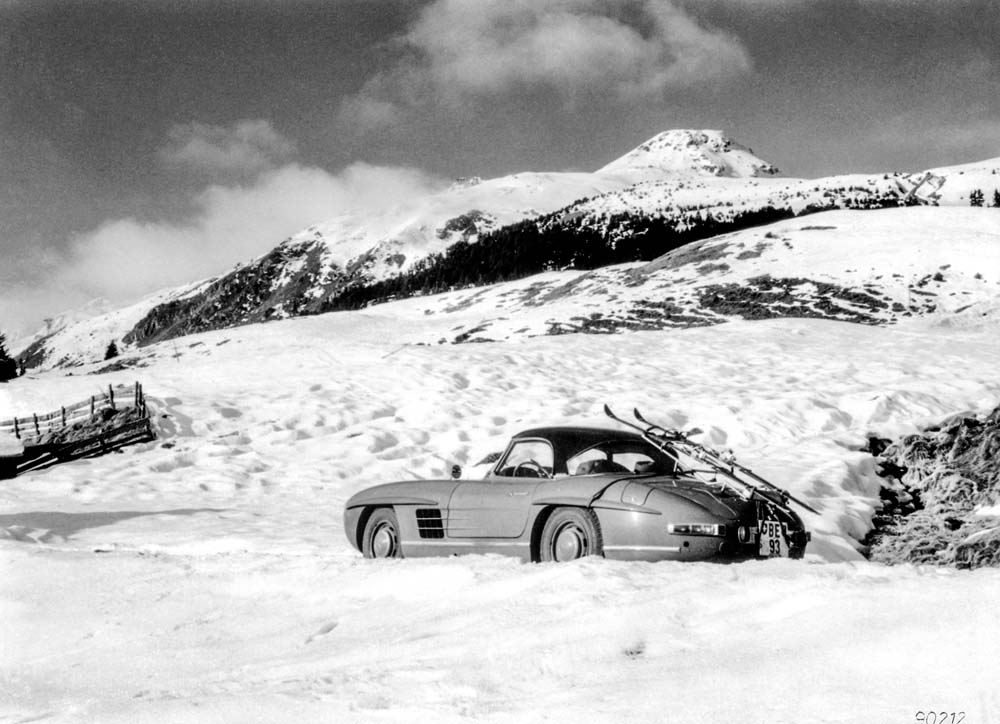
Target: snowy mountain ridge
{"x": 652, "y": 196}
{"x": 704, "y": 152}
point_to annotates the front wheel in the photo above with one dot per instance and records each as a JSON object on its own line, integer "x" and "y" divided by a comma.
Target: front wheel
{"x": 571, "y": 533}
{"x": 381, "y": 538}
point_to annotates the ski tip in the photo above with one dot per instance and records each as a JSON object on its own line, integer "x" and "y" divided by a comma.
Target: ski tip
{"x": 607, "y": 410}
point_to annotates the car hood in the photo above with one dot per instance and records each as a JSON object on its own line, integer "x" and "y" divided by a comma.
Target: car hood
{"x": 407, "y": 492}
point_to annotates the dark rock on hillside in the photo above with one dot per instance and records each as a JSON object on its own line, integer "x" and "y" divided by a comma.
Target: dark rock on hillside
{"x": 291, "y": 280}
{"x": 935, "y": 481}
{"x": 766, "y": 297}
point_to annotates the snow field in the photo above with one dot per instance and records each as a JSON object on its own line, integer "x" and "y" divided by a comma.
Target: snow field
{"x": 945, "y": 259}
{"x": 257, "y": 637}
{"x": 206, "y": 577}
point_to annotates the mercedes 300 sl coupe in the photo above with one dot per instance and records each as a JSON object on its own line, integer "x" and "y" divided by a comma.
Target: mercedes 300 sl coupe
{"x": 562, "y": 493}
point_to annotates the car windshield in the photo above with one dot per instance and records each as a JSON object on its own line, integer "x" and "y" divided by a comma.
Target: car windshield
{"x": 528, "y": 459}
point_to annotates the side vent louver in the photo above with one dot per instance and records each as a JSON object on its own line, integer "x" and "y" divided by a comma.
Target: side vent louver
{"x": 429, "y": 523}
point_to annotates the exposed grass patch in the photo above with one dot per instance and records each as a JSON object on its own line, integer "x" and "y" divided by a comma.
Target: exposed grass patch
{"x": 943, "y": 476}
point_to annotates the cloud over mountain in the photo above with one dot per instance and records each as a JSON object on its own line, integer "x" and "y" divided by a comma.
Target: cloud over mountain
{"x": 125, "y": 257}
{"x": 249, "y": 196}
{"x": 457, "y": 49}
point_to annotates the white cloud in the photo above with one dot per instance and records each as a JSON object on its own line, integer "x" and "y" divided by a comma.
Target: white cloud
{"x": 245, "y": 147}
{"x": 125, "y": 258}
{"x": 573, "y": 48}
{"x": 259, "y": 205}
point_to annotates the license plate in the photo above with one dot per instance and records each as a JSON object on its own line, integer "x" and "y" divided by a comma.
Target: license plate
{"x": 772, "y": 539}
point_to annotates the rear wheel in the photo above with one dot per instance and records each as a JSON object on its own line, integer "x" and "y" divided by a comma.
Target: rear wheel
{"x": 571, "y": 533}
{"x": 381, "y": 538}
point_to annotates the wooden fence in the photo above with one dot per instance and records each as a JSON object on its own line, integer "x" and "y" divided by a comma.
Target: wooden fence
{"x": 36, "y": 432}
{"x": 32, "y": 429}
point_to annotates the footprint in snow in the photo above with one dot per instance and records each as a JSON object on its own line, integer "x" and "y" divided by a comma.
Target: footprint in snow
{"x": 323, "y": 630}
{"x": 382, "y": 442}
{"x": 635, "y": 651}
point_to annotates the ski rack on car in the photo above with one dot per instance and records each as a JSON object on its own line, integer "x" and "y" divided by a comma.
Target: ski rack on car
{"x": 669, "y": 440}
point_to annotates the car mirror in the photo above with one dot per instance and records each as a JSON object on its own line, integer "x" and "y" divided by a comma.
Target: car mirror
{"x": 456, "y": 471}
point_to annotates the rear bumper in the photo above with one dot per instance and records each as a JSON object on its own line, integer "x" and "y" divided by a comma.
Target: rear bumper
{"x": 739, "y": 545}
{"x": 632, "y": 536}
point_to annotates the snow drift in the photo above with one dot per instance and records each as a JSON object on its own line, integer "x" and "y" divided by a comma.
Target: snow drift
{"x": 206, "y": 576}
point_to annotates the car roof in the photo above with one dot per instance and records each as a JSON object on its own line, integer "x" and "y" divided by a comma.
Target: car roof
{"x": 569, "y": 441}
{"x": 581, "y": 436}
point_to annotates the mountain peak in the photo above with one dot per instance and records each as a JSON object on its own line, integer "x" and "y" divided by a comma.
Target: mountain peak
{"x": 704, "y": 152}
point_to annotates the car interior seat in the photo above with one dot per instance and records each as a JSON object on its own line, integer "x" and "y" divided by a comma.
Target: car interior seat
{"x": 601, "y": 465}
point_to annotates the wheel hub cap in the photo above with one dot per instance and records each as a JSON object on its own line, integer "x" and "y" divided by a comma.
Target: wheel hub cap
{"x": 383, "y": 542}
{"x": 570, "y": 544}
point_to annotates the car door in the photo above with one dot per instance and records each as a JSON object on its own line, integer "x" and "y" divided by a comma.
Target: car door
{"x": 499, "y": 506}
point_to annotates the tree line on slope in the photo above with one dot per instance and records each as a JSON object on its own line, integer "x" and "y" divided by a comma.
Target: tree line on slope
{"x": 8, "y": 365}
{"x": 977, "y": 198}
{"x": 533, "y": 246}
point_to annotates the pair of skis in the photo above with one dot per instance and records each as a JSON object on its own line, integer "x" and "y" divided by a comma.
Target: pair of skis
{"x": 725, "y": 463}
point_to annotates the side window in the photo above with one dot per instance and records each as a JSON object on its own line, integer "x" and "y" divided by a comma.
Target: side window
{"x": 608, "y": 460}
{"x": 634, "y": 461}
{"x": 581, "y": 464}
{"x": 528, "y": 459}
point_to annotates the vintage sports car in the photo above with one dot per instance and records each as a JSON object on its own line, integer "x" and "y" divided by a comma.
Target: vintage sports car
{"x": 561, "y": 493}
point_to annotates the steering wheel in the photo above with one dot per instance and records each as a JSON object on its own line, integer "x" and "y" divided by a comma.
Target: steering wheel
{"x": 531, "y": 465}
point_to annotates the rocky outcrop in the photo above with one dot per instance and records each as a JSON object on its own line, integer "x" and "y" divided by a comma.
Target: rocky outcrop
{"x": 941, "y": 495}
{"x": 290, "y": 281}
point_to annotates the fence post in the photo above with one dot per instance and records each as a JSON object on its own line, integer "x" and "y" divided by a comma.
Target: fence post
{"x": 111, "y": 396}
{"x": 63, "y": 410}
{"x": 17, "y": 431}
{"x": 35, "y": 416}
{"x": 91, "y": 405}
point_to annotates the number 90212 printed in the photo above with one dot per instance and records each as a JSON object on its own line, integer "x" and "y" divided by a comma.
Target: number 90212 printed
{"x": 939, "y": 717}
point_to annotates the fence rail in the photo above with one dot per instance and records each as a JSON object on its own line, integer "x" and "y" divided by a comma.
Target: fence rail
{"x": 31, "y": 430}
{"x": 92, "y": 446}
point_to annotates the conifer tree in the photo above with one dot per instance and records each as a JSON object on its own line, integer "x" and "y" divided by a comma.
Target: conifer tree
{"x": 996, "y": 198}
{"x": 8, "y": 366}
{"x": 976, "y": 198}
{"x": 112, "y": 351}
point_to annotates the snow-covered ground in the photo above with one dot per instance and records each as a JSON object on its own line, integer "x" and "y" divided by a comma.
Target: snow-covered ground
{"x": 942, "y": 262}
{"x": 206, "y": 577}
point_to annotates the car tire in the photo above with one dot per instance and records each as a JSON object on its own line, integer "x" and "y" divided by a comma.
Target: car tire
{"x": 569, "y": 534}
{"x": 381, "y": 537}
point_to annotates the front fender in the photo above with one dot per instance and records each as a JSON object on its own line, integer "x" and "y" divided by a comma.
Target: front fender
{"x": 432, "y": 493}
{"x": 388, "y": 499}
{"x": 424, "y": 493}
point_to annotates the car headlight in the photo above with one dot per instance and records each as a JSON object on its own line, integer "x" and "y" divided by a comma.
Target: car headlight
{"x": 696, "y": 529}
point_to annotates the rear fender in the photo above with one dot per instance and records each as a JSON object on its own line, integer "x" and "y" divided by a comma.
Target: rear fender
{"x": 548, "y": 505}
{"x": 581, "y": 502}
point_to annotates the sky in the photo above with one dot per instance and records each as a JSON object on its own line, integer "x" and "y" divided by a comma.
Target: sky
{"x": 149, "y": 144}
